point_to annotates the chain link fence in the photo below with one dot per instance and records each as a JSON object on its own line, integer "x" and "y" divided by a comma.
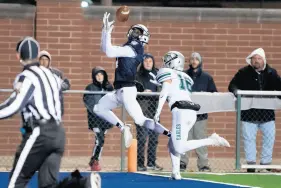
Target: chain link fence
{"x": 147, "y": 139}
{"x": 152, "y": 148}
{"x": 258, "y": 138}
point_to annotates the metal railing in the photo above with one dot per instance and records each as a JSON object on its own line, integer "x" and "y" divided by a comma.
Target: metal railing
{"x": 114, "y": 160}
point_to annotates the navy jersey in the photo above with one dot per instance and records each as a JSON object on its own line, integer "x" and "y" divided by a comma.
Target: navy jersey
{"x": 126, "y": 67}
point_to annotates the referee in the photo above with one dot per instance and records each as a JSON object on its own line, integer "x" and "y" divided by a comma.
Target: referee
{"x": 36, "y": 90}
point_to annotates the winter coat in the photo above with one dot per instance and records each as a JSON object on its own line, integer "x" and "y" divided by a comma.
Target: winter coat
{"x": 90, "y": 100}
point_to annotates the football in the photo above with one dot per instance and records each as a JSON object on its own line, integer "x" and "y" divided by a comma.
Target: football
{"x": 122, "y": 13}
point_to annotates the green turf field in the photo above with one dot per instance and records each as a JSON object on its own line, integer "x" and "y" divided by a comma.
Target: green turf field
{"x": 255, "y": 180}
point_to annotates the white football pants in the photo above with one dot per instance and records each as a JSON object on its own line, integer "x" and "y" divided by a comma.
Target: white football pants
{"x": 125, "y": 96}
{"x": 183, "y": 121}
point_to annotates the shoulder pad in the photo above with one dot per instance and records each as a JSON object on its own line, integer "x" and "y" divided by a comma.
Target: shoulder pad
{"x": 164, "y": 74}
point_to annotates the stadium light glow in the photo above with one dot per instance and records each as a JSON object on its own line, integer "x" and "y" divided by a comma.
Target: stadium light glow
{"x": 84, "y": 4}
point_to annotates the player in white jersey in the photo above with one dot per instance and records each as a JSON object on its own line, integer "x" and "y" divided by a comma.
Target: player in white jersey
{"x": 176, "y": 89}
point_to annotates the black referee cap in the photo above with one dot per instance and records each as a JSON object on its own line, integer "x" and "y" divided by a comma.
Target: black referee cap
{"x": 28, "y": 49}
{"x": 18, "y": 44}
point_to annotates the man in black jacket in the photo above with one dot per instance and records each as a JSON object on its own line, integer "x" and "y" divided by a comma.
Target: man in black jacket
{"x": 203, "y": 82}
{"x": 258, "y": 75}
{"x": 148, "y": 105}
{"x": 96, "y": 124}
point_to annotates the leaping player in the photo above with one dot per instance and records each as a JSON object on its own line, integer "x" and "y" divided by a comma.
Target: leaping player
{"x": 176, "y": 87}
{"x": 128, "y": 57}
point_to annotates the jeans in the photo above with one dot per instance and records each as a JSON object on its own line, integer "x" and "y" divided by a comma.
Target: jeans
{"x": 249, "y": 132}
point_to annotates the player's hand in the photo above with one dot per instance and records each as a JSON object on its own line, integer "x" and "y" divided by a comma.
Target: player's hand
{"x": 107, "y": 25}
{"x": 156, "y": 117}
{"x": 65, "y": 85}
{"x": 152, "y": 75}
{"x": 154, "y": 81}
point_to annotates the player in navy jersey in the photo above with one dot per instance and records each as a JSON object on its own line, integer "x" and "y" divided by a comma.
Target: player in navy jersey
{"x": 128, "y": 58}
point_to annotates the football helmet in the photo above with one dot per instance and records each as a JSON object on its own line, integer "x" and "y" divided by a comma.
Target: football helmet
{"x": 139, "y": 32}
{"x": 174, "y": 60}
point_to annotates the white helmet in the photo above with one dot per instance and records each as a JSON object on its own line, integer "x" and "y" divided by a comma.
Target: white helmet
{"x": 139, "y": 32}
{"x": 174, "y": 60}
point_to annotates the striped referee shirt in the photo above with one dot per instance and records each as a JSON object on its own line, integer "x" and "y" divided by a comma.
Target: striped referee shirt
{"x": 36, "y": 94}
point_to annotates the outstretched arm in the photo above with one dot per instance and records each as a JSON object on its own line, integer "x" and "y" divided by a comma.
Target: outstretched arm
{"x": 18, "y": 99}
{"x": 234, "y": 83}
{"x": 106, "y": 45}
{"x": 162, "y": 98}
{"x": 115, "y": 51}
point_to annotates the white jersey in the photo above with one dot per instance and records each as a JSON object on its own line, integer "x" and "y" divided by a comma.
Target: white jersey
{"x": 181, "y": 86}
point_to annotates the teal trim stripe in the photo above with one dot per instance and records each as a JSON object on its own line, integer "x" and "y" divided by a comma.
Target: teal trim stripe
{"x": 164, "y": 78}
{"x": 163, "y": 75}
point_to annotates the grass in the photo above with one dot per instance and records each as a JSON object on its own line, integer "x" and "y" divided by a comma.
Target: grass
{"x": 255, "y": 180}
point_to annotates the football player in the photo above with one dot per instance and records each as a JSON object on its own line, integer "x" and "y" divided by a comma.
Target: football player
{"x": 128, "y": 57}
{"x": 176, "y": 89}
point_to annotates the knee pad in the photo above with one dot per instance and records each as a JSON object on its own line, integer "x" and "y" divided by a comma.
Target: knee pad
{"x": 140, "y": 121}
{"x": 149, "y": 123}
{"x": 98, "y": 109}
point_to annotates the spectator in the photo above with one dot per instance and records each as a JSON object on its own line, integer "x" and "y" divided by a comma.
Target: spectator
{"x": 203, "y": 82}
{"x": 148, "y": 105}
{"x": 95, "y": 123}
{"x": 45, "y": 60}
{"x": 257, "y": 75}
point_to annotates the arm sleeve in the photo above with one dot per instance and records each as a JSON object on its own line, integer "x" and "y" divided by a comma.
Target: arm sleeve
{"x": 56, "y": 72}
{"x": 277, "y": 80}
{"x": 65, "y": 85}
{"x": 163, "y": 96}
{"x": 115, "y": 51}
{"x": 212, "y": 86}
{"x": 163, "y": 76}
{"x": 233, "y": 85}
{"x": 18, "y": 99}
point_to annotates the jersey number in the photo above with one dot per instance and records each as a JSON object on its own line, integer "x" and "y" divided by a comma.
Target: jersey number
{"x": 184, "y": 84}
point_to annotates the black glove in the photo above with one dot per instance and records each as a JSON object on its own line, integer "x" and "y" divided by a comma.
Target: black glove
{"x": 65, "y": 85}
